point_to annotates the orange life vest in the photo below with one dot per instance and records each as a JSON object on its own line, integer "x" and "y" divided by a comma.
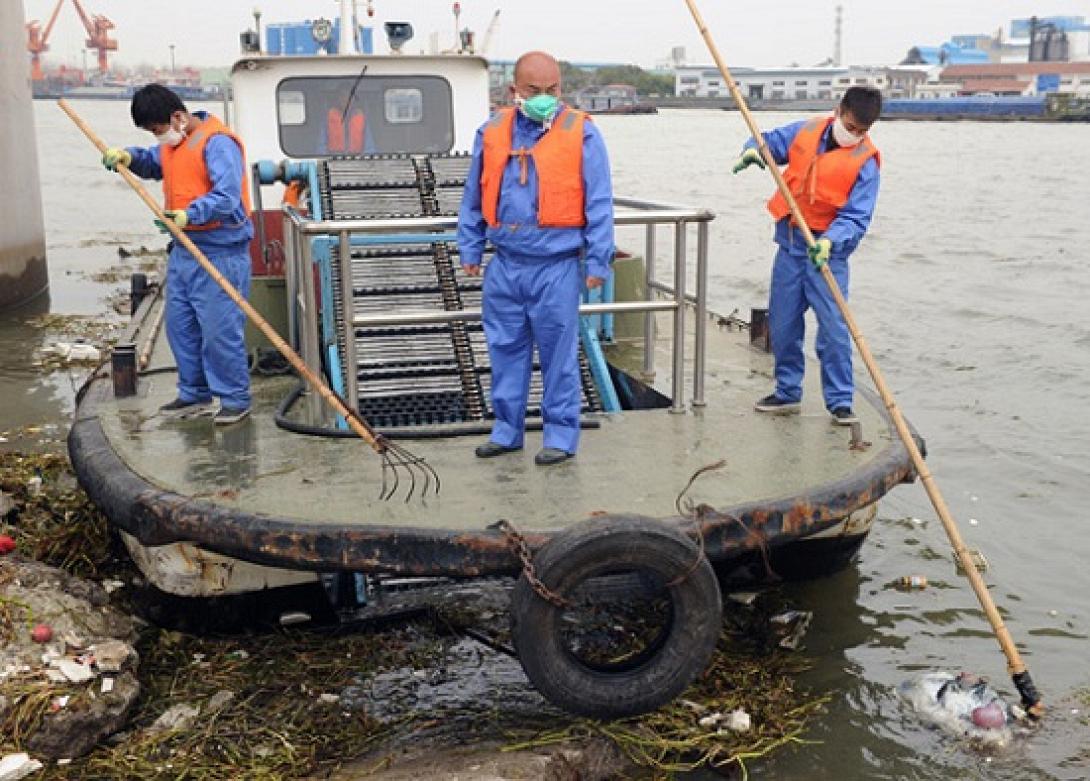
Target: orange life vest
{"x": 335, "y": 135}
{"x": 185, "y": 175}
{"x": 821, "y": 183}
{"x": 558, "y": 159}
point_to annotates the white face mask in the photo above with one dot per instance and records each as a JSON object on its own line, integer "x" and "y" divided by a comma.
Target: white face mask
{"x": 842, "y": 135}
{"x": 172, "y": 136}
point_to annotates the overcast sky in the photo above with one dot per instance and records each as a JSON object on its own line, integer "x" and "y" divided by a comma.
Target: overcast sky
{"x": 876, "y": 32}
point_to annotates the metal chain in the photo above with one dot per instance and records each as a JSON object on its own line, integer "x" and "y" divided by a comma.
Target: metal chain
{"x": 522, "y": 550}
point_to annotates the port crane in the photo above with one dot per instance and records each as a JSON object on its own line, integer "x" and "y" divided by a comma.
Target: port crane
{"x": 489, "y": 32}
{"x": 98, "y": 37}
{"x": 38, "y": 41}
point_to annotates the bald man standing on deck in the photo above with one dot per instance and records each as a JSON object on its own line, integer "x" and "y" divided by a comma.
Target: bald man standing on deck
{"x": 539, "y": 190}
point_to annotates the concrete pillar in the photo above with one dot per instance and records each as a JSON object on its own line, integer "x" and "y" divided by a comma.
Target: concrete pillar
{"x": 23, "y": 273}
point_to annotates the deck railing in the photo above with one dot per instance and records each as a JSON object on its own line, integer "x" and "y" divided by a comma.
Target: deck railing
{"x": 660, "y": 297}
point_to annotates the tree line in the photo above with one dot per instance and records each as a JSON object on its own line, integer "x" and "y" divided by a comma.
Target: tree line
{"x": 645, "y": 82}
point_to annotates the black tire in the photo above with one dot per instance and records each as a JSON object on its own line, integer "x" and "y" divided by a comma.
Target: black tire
{"x": 599, "y": 547}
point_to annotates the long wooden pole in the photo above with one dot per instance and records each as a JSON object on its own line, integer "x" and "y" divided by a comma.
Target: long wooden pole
{"x": 362, "y": 430}
{"x": 1020, "y": 675}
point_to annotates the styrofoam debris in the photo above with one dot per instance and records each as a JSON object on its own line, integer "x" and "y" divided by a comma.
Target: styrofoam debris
{"x": 107, "y": 684}
{"x": 16, "y": 766}
{"x": 74, "y": 671}
{"x": 328, "y": 699}
{"x": 743, "y": 597}
{"x": 75, "y": 351}
{"x": 711, "y": 720}
{"x": 739, "y": 721}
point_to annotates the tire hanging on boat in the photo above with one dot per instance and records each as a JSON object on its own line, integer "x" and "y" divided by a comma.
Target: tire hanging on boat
{"x": 626, "y": 554}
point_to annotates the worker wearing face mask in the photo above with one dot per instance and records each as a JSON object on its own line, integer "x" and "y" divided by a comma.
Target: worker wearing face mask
{"x": 832, "y": 171}
{"x": 202, "y": 165}
{"x": 539, "y": 190}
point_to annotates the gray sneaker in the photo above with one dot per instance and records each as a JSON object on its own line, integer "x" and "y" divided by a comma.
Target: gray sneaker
{"x": 179, "y": 409}
{"x": 774, "y": 405}
{"x": 843, "y": 416}
{"x": 225, "y": 416}
{"x": 548, "y": 456}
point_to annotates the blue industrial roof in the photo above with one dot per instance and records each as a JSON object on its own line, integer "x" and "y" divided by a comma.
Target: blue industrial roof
{"x": 1020, "y": 27}
{"x": 949, "y": 54}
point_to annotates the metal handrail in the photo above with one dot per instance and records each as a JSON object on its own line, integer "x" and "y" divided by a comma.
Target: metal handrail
{"x": 474, "y": 315}
{"x": 660, "y": 214}
{"x": 629, "y": 211}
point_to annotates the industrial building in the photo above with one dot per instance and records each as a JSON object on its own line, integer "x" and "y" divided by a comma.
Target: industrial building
{"x": 776, "y": 84}
{"x": 1010, "y": 78}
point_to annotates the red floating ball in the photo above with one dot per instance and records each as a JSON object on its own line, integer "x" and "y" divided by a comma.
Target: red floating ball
{"x": 42, "y": 633}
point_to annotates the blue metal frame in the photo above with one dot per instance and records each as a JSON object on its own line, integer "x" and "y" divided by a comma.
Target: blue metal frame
{"x": 599, "y": 369}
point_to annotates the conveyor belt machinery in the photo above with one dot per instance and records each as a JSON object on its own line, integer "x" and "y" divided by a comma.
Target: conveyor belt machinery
{"x": 418, "y": 375}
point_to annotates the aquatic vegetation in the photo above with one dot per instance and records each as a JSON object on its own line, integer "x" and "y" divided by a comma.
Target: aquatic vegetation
{"x": 53, "y": 520}
{"x": 687, "y": 734}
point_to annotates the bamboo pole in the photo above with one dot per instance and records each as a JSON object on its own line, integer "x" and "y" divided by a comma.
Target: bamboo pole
{"x": 361, "y": 428}
{"x": 1020, "y": 675}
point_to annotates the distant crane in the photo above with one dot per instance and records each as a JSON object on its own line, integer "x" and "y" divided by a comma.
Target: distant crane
{"x": 98, "y": 35}
{"x": 488, "y": 33}
{"x": 38, "y": 41}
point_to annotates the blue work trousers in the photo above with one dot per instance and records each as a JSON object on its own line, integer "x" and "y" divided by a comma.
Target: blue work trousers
{"x": 528, "y": 302}
{"x": 796, "y": 287}
{"x": 205, "y": 327}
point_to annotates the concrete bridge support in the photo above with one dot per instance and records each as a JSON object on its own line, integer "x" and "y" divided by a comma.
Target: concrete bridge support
{"x": 23, "y": 273}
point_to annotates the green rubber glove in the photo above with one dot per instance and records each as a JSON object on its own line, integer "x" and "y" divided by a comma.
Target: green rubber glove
{"x": 177, "y": 216}
{"x": 819, "y": 252}
{"x": 748, "y": 158}
{"x": 115, "y": 156}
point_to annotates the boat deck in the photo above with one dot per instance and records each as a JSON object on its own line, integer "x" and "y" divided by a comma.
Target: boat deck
{"x": 268, "y": 495}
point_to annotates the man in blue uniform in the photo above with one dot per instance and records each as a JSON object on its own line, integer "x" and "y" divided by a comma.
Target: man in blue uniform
{"x": 539, "y": 190}
{"x": 201, "y": 163}
{"x": 833, "y": 173}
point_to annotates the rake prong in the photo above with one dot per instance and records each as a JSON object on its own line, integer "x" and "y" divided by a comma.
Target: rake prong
{"x": 397, "y": 458}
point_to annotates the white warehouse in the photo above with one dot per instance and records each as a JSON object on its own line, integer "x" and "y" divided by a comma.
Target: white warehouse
{"x": 759, "y": 84}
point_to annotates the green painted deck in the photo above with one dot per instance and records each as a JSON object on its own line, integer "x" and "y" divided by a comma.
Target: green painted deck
{"x": 635, "y": 462}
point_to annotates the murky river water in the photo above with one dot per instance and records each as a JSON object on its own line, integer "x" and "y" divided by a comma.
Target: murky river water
{"x": 970, "y": 290}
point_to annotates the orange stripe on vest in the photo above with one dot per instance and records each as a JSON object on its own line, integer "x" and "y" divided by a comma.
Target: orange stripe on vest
{"x": 558, "y": 159}
{"x": 821, "y": 183}
{"x": 185, "y": 175}
{"x": 335, "y": 131}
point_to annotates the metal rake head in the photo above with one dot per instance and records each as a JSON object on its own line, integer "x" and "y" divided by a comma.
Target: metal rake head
{"x": 396, "y": 459}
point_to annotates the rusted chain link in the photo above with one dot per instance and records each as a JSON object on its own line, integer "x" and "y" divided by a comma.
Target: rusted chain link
{"x": 518, "y": 544}
{"x": 687, "y": 509}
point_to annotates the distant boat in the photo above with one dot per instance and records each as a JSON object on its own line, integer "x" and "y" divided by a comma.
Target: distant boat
{"x": 52, "y": 90}
{"x": 612, "y": 99}
{"x": 996, "y": 108}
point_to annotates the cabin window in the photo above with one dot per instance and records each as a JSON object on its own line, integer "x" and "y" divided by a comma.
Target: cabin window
{"x": 404, "y": 106}
{"x": 335, "y": 115}
{"x": 293, "y": 107}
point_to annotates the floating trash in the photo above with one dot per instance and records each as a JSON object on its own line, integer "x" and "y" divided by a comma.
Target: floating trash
{"x": 976, "y": 557}
{"x": 962, "y": 705}
{"x": 790, "y": 627}
{"x": 912, "y": 583}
